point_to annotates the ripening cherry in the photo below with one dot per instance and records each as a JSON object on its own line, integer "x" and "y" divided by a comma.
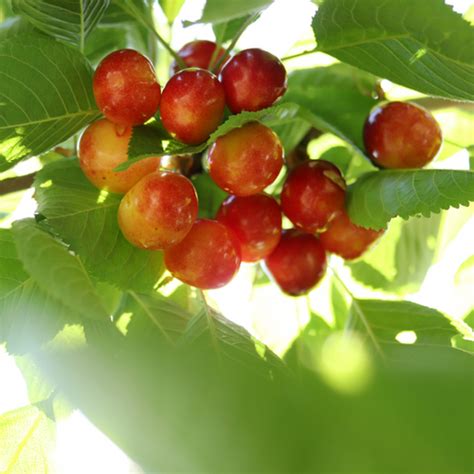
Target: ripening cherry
{"x": 158, "y": 211}
{"x": 102, "y": 147}
{"x": 256, "y": 221}
{"x": 208, "y": 257}
{"x": 246, "y": 160}
{"x": 198, "y": 53}
{"x": 298, "y": 263}
{"x": 192, "y": 105}
{"x": 347, "y": 239}
{"x": 313, "y": 194}
{"x": 253, "y": 79}
{"x": 401, "y": 135}
{"x": 125, "y": 87}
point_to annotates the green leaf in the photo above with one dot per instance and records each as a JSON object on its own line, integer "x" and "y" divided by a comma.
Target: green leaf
{"x": 15, "y": 26}
{"x": 216, "y": 11}
{"x": 56, "y": 271}
{"x": 69, "y": 21}
{"x": 463, "y": 343}
{"x": 171, "y": 8}
{"x": 291, "y": 133}
{"x": 28, "y": 439}
{"x": 86, "y": 219}
{"x": 103, "y": 40}
{"x": 29, "y": 316}
{"x": 402, "y": 257}
{"x": 209, "y": 194}
{"x": 334, "y": 99}
{"x": 226, "y": 31}
{"x": 153, "y": 140}
{"x": 465, "y": 273}
{"x": 45, "y": 96}
{"x": 377, "y": 197}
{"x": 383, "y": 321}
{"x": 426, "y": 47}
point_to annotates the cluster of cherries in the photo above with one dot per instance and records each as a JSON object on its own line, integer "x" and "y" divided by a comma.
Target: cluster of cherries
{"x": 159, "y": 209}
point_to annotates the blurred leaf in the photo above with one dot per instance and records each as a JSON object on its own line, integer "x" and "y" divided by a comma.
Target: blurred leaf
{"x": 209, "y": 194}
{"x": 70, "y": 21}
{"x": 465, "y": 273}
{"x": 103, "y": 40}
{"x": 47, "y": 96}
{"x": 226, "y": 31}
{"x": 291, "y": 133}
{"x": 340, "y": 156}
{"x": 400, "y": 260}
{"x": 171, "y": 8}
{"x": 375, "y": 198}
{"x": 56, "y": 271}
{"x": 86, "y": 219}
{"x": 153, "y": 140}
{"x": 334, "y": 99}
{"x": 15, "y": 26}
{"x": 340, "y": 304}
{"x": 394, "y": 40}
{"x": 383, "y": 321}
{"x": 28, "y": 439}
{"x": 216, "y": 11}
{"x": 463, "y": 343}
{"x": 39, "y": 389}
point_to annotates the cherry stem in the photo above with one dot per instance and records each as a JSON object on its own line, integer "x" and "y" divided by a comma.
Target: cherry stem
{"x": 297, "y": 55}
{"x": 359, "y": 312}
{"x": 134, "y": 11}
{"x": 236, "y": 38}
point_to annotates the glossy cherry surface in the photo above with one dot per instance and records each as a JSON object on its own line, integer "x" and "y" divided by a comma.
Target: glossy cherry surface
{"x": 347, "y": 239}
{"x": 102, "y": 147}
{"x": 198, "y": 53}
{"x": 208, "y": 257}
{"x": 158, "y": 211}
{"x": 253, "y": 79}
{"x": 313, "y": 194}
{"x": 246, "y": 160}
{"x": 125, "y": 87}
{"x": 298, "y": 263}
{"x": 401, "y": 135}
{"x": 256, "y": 221}
{"x": 192, "y": 105}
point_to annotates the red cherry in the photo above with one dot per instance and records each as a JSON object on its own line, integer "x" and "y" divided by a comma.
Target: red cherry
{"x": 253, "y": 79}
{"x": 208, "y": 257}
{"x": 192, "y": 105}
{"x": 246, "y": 160}
{"x": 158, "y": 211}
{"x": 313, "y": 194}
{"x": 347, "y": 239}
{"x": 125, "y": 87}
{"x": 401, "y": 135}
{"x": 198, "y": 53}
{"x": 256, "y": 221}
{"x": 102, "y": 147}
{"x": 298, "y": 263}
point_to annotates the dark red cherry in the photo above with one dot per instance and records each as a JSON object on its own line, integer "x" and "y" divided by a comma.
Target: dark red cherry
{"x": 125, "y": 87}
{"x": 192, "y": 105}
{"x": 401, "y": 135}
{"x": 198, "y": 53}
{"x": 253, "y": 79}
{"x": 313, "y": 194}
{"x": 208, "y": 257}
{"x": 347, "y": 239}
{"x": 298, "y": 263}
{"x": 256, "y": 221}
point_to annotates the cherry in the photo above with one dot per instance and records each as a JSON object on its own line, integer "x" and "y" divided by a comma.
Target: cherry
{"x": 208, "y": 257}
{"x": 125, "y": 87}
{"x": 256, "y": 221}
{"x": 158, "y": 211}
{"x": 347, "y": 239}
{"x": 401, "y": 135}
{"x": 246, "y": 160}
{"x": 253, "y": 79}
{"x": 313, "y": 194}
{"x": 298, "y": 263}
{"x": 102, "y": 147}
{"x": 198, "y": 53}
{"x": 192, "y": 105}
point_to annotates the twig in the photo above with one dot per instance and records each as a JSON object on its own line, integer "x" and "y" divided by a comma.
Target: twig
{"x": 19, "y": 183}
